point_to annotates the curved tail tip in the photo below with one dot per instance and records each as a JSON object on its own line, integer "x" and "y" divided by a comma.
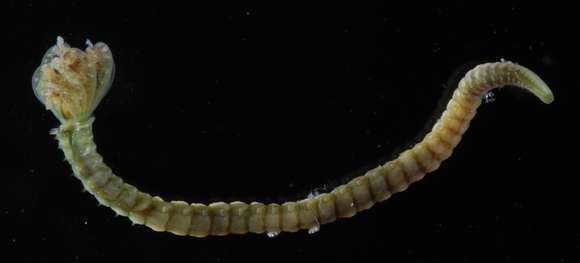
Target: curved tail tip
{"x": 532, "y": 82}
{"x": 549, "y": 98}
{"x": 543, "y": 92}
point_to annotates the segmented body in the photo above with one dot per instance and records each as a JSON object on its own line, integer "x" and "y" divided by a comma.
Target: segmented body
{"x": 76, "y": 140}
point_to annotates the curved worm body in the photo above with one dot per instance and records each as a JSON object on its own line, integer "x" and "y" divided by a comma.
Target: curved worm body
{"x": 71, "y": 82}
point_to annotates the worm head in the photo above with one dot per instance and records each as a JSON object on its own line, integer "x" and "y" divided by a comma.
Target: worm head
{"x": 71, "y": 82}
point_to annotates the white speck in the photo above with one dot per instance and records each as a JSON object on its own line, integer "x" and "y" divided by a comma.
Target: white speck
{"x": 273, "y": 234}
{"x": 489, "y": 97}
{"x": 351, "y": 204}
{"x": 55, "y": 63}
{"x": 314, "y": 193}
{"x": 436, "y": 47}
{"x": 313, "y": 229}
{"x": 247, "y": 13}
{"x": 14, "y": 240}
{"x": 60, "y": 42}
{"x": 89, "y": 43}
{"x": 86, "y": 222}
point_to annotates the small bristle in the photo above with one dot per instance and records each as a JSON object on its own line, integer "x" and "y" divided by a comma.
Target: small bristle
{"x": 60, "y": 43}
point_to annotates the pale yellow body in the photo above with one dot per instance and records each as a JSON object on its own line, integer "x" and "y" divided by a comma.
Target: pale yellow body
{"x": 70, "y": 93}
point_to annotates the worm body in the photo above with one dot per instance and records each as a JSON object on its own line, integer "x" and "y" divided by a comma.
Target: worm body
{"x": 71, "y": 83}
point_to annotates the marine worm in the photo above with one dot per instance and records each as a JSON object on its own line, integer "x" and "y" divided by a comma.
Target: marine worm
{"x": 71, "y": 83}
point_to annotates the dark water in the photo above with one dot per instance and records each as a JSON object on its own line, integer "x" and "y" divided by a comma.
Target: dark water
{"x": 242, "y": 102}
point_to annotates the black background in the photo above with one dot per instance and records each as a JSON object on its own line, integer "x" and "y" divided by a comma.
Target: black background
{"x": 244, "y": 102}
